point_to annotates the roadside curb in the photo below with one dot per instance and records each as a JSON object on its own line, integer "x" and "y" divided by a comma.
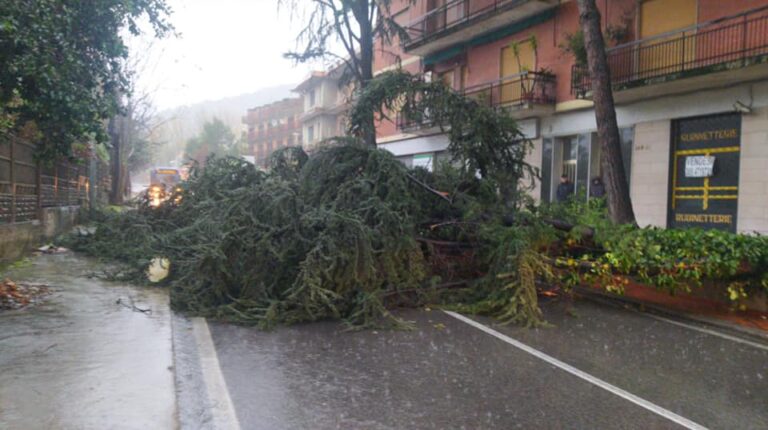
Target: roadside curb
{"x": 644, "y": 307}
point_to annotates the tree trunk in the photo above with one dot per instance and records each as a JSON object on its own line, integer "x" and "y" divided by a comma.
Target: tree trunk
{"x": 361, "y": 14}
{"x": 614, "y": 177}
{"x": 116, "y": 136}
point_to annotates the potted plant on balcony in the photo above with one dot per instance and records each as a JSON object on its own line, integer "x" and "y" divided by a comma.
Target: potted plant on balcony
{"x": 537, "y": 90}
{"x": 574, "y": 46}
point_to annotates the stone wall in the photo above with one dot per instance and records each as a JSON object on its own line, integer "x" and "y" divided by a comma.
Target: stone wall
{"x": 17, "y": 239}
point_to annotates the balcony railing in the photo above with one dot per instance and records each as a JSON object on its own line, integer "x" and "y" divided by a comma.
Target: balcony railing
{"x": 731, "y": 42}
{"x": 452, "y": 14}
{"x": 517, "y": 91}
{"x": 404, "y": 123}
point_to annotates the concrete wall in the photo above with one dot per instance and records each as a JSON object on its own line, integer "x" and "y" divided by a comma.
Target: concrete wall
{"x": 650, "y": 172}
{"x": 753, "y": 177}
{"x": 534, "y": 159}
{"x": 17, "y": 239}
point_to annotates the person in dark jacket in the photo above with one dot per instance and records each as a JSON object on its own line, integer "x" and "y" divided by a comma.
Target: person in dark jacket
{"x": 597, "y": 188}
{"x": 564, "y": 189}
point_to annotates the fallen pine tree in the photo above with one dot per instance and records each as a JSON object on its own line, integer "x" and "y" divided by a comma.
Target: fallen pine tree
{"x": 305, "y": 243}
{"x": 349, "y": 232}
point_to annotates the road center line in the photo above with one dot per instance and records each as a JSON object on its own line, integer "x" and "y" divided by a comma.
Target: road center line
{"x": 707, "y": 331}
{"x": 223, "y": 411}
{"x": 583, "y": 375}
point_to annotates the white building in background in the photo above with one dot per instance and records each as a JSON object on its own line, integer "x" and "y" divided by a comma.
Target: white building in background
{"x": 325, "y": 102}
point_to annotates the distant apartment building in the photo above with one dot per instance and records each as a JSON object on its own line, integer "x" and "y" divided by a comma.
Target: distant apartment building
{"x": 271, "y": 127}
{"x": 690, "y": 81}
{"x": 325, "y": 102}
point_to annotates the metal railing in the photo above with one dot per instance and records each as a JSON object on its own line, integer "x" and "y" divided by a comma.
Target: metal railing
{"x": 729, "y": 42}
{"x": 454, "y": 13}
{"x": 405, "y": 123}
{"x": 27, "y": 186}
{"x": 518, "y": 90}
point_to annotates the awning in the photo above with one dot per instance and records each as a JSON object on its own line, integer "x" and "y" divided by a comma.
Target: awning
{"x": 489, "y": 37}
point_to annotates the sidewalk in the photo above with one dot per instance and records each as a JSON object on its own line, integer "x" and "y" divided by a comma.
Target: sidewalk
{"x": 751, "y": 322}
{"x": 80, "y": 360}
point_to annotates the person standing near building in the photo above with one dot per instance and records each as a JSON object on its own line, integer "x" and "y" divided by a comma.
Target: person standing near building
{"x": 597, "y": 188}
{"x": 564, "y": 189}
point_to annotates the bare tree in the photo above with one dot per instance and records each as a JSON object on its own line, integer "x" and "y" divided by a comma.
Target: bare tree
{"x": 131, "y": 132}
{"x": 614, "y": 176}
{"x": 352, "y": 24}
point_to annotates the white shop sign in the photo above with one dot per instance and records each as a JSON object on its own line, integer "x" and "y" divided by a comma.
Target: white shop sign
{"x": 699, "y": 166}
{"x": 423, "y": 160}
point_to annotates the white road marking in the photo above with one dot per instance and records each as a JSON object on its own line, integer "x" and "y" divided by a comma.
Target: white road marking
{"x": 708, "y": 331}
{"x": 583, "y": 375}
{"x": 224, "y": 416}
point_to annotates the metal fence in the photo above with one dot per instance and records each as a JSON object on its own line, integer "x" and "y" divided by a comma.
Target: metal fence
{"x": 27, "y": 185}
{"x": 730, "y": 42}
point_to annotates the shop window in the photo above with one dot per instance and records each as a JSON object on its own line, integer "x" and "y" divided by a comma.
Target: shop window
{"x": 704, "y": 172}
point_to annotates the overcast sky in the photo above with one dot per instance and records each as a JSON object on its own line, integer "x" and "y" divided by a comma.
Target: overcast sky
{"x": 226, "y": 48}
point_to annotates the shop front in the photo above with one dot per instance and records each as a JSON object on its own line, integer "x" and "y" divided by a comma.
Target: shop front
{"x": 704, "y": 172}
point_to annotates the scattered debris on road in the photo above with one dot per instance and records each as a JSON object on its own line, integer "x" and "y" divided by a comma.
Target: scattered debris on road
{"x": 132, "y": 306}
{"x": 16, "y": 295}
{"x": 158, "y": 269}
{"x": 52, "y": 249}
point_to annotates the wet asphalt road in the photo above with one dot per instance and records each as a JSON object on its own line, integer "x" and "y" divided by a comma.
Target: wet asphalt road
{"x": 446, "y": 374}
{"x": 80, "y": 360}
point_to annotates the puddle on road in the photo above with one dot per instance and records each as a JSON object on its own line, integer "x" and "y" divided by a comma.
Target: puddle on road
{"x": 82, "y": 360}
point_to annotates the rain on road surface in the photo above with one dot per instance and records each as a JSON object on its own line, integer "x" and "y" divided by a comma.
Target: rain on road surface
{"x": 447, "y": 374}
{"x": 80, "y": 361}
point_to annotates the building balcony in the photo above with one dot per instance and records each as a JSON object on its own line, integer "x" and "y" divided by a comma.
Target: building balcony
{"x": 525, "y": 95}
{"x": 315, "y": 111}
{"x": 414, "y": 125}
{"x": 528, "y": 94}
{"x": 461, "y": 20}
{"x": 714, "y": 54}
